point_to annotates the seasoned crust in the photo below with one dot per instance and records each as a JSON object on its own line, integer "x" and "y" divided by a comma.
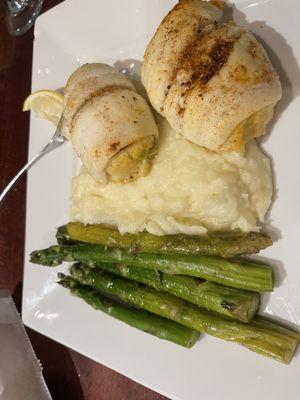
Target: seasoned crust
{"x": 169, "y": 42}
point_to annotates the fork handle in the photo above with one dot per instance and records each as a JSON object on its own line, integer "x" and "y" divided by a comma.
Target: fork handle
{"x": 53, "y": 144}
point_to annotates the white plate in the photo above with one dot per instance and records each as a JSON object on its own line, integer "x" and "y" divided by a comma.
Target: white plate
{"x": 108, "y": 31}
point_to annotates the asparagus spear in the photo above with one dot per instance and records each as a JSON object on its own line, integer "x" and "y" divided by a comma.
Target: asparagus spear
{"x": 224, "y": 245}
{"x": 235, "y": 303}
{"x": 260, "y": 336}
{"x": 241, "y": 274}
{"x": 63, "y": 237}
{"x": 140, "y": 319}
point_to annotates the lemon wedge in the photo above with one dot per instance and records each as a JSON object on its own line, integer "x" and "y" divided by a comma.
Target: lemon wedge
{"x": 47, "y": 104}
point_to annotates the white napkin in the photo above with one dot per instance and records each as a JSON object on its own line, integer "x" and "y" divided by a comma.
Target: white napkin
{"x": 20, "y": 372}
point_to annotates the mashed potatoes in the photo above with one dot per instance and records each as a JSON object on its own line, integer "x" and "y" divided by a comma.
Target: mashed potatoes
{"x": 189, "y": 190}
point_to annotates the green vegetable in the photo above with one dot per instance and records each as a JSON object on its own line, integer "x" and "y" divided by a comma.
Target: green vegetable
{"x": 224, "y": 245}
{"x": 261, "y": 336}
{"x": 242, "y": 274}
{"x": 143, "y": 320}
{"x": 235, "y": 303}
{"x": 63, "y": 237}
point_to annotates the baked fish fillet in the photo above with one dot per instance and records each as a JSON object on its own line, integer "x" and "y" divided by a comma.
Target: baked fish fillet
{"x": 214, "y": 84}
{"x": 111, "y": 126}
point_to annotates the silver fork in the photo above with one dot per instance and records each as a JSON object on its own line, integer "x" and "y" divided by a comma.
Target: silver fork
{"x": 57, "y": 140}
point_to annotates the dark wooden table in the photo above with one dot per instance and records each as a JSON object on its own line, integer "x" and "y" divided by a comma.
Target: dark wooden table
{"x": 69, "y": 375}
